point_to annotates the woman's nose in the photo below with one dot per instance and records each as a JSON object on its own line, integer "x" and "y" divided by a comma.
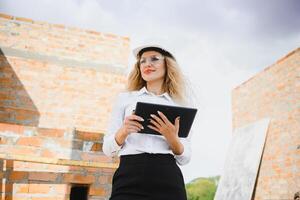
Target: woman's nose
{"x": 148, "y": 63}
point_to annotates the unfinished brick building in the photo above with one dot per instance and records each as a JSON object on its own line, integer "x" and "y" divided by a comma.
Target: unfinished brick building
{"x": 274, "y": 93}
{"x": 57, "y": 85}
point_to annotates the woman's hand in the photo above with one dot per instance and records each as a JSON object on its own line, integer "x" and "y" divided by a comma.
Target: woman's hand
{"x": 168, "y": 130}
{"x": 130, "y": 125}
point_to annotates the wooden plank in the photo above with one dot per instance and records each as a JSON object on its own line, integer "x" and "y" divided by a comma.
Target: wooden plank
{"x": 54, "y": 161}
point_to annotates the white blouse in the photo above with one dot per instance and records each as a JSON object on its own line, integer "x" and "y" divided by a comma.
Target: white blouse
{"x": 137, "y": 143}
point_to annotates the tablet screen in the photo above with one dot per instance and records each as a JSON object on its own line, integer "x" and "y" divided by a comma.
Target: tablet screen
{"x": 187, "y": 116}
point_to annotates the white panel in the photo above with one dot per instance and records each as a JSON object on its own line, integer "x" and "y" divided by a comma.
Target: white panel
{"x": 242, "y": 162}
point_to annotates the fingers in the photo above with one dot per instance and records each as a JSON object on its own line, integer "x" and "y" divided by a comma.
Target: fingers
{"x": 157, "y": 119}
{"x": 135, "y": 117}
{"x": 154, "y": 128}
{"x": 133, "y": 129}
{"x": 164, "y": 118}
{"x": 163, "y": 125}
{"x": 177, "y": 123}
{"x": 157, "y": 125}
{"x": 132, "y": 124}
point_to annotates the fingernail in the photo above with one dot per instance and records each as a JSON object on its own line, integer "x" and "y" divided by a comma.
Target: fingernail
{"x": 158, "y": 111}
{"x": 142, "y": 119}
{"x": 151, "y": 115}
{"x": 142, "y": 127}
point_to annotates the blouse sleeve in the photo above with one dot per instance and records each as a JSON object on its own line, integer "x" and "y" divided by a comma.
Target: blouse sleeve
{"x": 110, "y": 146}
{"x": 185, "y": 157}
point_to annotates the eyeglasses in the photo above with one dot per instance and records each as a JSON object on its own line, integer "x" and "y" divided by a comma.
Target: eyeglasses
{"x": 152, "y": 60}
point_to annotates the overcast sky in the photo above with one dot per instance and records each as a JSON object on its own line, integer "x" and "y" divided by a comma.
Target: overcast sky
{"x": 219, "y": 45}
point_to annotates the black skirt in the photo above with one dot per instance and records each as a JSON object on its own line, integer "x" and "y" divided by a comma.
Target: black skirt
{"x": 148, "y": 177}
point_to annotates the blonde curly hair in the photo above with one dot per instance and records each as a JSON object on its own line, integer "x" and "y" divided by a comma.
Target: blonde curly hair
{"x": 174, "y": 83}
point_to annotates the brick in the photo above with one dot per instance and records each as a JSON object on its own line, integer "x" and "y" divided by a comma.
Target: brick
{"x": 28, "y": 166}
{"x": 88, "y": 136}
{"x": 6, "y": 96}
{"x": 61, "y": 189}
{"x": 50, "y": 132}
{"x": 21, "y": 188}
{"x": 17, "y": 176}
{"x": 97, "y": 191}
{"x": 105, "y": 179}
{"x": 94, "y": 170}
{"x": 22, "y": 151}
{"x": 47, "y": 153}
{"x": 93, "y": 32}
{"x": 42, "y": 176}
{"x": 77, "y": 169}
{"x": 8, "y": 164}
{"x": 7, "y": 187}
{"x": 48, "y": 198}
{"x": 24, "y": 19}
{"x": 60, "y": 26}
{"x": 25, "y": 115}
{"x": 110, "y": 36}
{"x": 30, "y": 141}
{"x": 57, "y": 168}
{"x": 76, "y": 178}
{"x": 6, "y": 16}
{"x": 3, "y": 140}
{"x": 127, "y": 39}
{"x": 11, "y": 128}
{"x": 5, "y": 115}
{"x": 65, "y": 144}
{"x": 89, "y": 156}
{"x": 40, "y": 188}
{"x": 108, "y": 170}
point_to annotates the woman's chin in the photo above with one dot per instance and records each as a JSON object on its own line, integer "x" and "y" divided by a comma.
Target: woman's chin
{"x": 147, "y": 77}
{"x": 150, "y": 79}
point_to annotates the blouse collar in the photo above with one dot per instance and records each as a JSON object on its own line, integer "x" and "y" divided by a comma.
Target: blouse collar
{"x": 144, "y": 90}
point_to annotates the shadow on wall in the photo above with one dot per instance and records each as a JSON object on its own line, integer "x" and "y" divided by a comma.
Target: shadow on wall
{"x": 16, "y": 106}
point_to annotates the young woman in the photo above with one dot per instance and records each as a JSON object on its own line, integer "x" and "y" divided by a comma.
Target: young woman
{"x": 148, "y": 163}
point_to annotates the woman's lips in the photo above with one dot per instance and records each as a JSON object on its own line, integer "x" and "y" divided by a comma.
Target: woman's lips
{"x": 148, "y": 71}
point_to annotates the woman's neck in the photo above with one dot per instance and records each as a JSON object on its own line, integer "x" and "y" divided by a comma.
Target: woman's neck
{"x": 155, "y": 87}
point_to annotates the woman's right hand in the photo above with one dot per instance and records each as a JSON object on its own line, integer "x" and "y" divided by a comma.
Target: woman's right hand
{"x": 130, "y": 125}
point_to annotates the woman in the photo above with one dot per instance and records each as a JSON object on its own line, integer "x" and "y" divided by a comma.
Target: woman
{"x": 148, "y": 163}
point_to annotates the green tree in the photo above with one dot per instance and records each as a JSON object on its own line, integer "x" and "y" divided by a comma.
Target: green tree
{"x": 202, "y": 188}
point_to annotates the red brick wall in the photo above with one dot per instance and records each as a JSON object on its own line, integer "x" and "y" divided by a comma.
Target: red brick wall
{"x": 27, "y": 180}
{"x": 65, "y": 42}
{"x": 274, "y": 93}
{"x": 58, "y": 77}
{"x": 57, "y": 85}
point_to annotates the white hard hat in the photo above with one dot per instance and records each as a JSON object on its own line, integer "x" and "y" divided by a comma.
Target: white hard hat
{"x": 152, "y": 47}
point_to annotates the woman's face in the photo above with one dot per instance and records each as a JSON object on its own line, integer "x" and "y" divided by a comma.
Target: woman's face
{"x": 152, "y": 66}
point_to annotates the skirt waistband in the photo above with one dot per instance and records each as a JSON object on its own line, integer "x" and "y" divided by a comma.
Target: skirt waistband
{"x": 147, "y": 158}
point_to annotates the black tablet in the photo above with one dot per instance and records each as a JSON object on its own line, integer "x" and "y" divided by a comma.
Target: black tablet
{"x": 187, "y": 116}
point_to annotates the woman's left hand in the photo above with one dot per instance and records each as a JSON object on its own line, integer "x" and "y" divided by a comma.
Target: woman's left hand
{"x": 168, "y": 130}
{"x": 164, "y": 126}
